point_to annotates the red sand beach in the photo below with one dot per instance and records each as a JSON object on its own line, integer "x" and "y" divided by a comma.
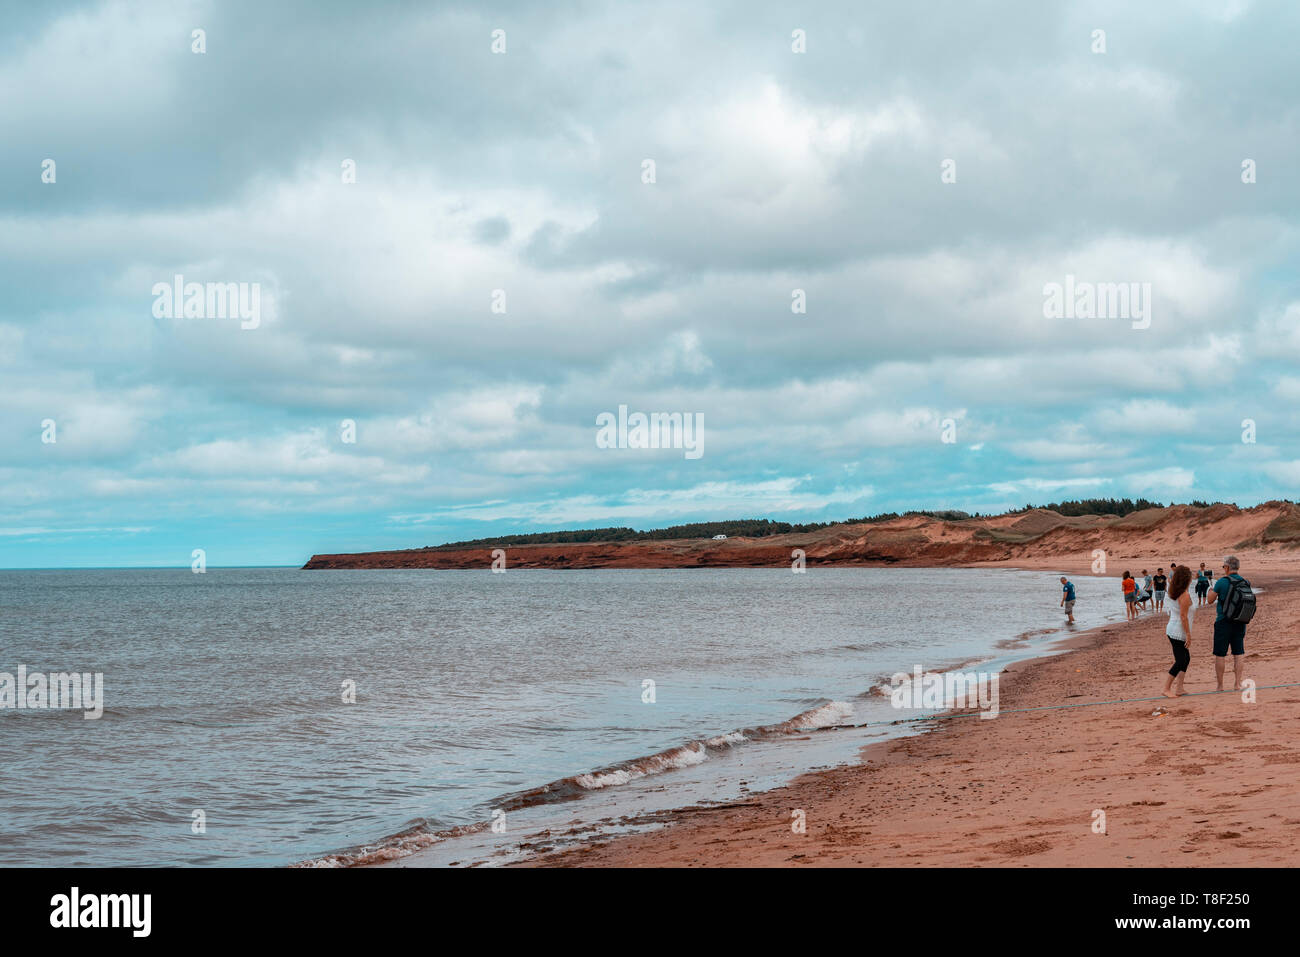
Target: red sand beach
{"x": 1205, "y": 779}
{"x": 1209, "y": 780}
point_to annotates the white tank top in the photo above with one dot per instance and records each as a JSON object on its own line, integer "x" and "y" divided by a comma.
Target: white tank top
{"x": 1175, "y": 627}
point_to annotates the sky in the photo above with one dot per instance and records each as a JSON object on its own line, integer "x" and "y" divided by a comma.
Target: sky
{"x": 626, "y": 205}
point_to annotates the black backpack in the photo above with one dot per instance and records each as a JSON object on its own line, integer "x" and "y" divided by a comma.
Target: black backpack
{"x": 1240, "y": 603}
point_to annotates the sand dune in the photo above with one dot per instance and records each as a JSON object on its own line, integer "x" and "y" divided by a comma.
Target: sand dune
{"x": 1037, "y": 538}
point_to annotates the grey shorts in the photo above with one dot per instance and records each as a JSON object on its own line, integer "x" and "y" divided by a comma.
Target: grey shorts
{"x": 1069, "y": 605}
{"x": 1160, "y": 596}
{"x": 1131, "y": 596}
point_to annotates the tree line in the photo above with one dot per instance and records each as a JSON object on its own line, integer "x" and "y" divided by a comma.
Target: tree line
{"x": 764, "y": 527}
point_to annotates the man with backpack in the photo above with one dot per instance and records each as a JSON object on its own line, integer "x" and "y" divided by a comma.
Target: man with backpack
{"x": 1236, "y": 607}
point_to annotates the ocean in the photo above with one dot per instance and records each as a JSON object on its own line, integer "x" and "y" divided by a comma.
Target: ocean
{"x": 538, "y": 699}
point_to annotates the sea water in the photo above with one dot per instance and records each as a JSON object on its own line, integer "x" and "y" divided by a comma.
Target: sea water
{"x": 277, "y": 716}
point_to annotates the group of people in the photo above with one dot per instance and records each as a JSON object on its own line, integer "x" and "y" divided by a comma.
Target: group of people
{"x": 1233, "y": 597}
{"x": 1153, "y": 589}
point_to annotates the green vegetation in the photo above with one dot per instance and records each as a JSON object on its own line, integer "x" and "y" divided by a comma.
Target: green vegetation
{"x": 1007, "y": 536}
{"x": 1101, "y": 506}
{"x": 762, "y": 527}
{"x": 752, "y": 528}
{"x": 1283, "y": 529}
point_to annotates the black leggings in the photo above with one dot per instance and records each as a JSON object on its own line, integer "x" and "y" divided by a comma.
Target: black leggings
{"x": 1182, "y": 657}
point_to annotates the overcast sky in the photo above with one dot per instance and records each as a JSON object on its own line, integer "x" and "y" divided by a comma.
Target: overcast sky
{"x": 524, "y": 171}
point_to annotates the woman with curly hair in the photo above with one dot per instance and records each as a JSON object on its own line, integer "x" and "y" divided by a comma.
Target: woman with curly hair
{"x": 1179, "y": 629}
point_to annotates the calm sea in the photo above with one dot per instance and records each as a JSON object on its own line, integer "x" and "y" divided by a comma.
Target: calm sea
{"x": 517, "y": 693}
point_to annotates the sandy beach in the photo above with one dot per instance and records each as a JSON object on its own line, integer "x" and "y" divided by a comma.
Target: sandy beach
{"x": 1203, "y": 780}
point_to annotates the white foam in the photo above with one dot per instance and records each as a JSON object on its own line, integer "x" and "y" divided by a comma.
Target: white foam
{"x": 682, "y": 757}
{"x": 391, "y": 849}
{"x": 726, "y": 740}
{"x": 831, "y": 713}
{"x": 603, "y": 779}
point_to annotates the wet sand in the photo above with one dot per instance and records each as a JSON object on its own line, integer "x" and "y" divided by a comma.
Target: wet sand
{"x": 1209, "y": 781}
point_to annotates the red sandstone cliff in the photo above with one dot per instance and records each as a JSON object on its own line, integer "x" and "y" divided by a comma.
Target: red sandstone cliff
{"x": 1177, "y": 533}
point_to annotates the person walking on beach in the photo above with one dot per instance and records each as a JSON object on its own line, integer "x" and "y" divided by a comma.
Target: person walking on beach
{"x": 1130, "y": 595}
{"x": 1202, "y": 585}
{"x": 1236, "y": 607}
{"x": 1160, "y": 582}
{"x": 1144, "y": 595}
{"x": 1179, "y": 631}
{"x": 1067, "y": 597}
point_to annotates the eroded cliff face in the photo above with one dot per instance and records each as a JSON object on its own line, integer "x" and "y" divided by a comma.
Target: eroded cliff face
{"x": 1179, "y": 533}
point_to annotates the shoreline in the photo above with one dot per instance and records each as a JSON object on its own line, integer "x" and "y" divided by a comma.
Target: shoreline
{"x": 756, "y": 771}
{"x": 1208, "y": 781}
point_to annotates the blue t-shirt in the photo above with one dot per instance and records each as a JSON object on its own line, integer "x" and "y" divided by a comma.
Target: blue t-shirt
{"x": 1221, "y": 589}
{"x": 1069, "y": 591}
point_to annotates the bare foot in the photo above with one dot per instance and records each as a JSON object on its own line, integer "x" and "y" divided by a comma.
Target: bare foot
{"x": 1170, "y": 694}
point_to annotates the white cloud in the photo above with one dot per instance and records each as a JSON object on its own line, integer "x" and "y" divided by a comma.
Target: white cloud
{"x": 729, "y": 499}
{"x": 1146, "y": 419}
{"x": 1050, "y": 485}
{"x": 1173, "y": 479}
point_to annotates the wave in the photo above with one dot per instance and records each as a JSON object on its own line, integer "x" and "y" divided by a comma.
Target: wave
{"x": 827, "y": 715}
{"x": 1023, "y": 639}
{"x": 402, "y": 844}
{"x": 822, "y": 717}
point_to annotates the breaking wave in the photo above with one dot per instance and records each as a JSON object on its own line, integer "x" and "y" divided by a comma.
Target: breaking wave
{"x": 420, "y": 835}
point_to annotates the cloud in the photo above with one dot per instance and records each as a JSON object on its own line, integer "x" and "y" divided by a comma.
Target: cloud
{"x": 518, "y": 179}
{"x": 1173, "y": 479}
{"x": 1036, "y": 486}
{"x": 730, "y": 499}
